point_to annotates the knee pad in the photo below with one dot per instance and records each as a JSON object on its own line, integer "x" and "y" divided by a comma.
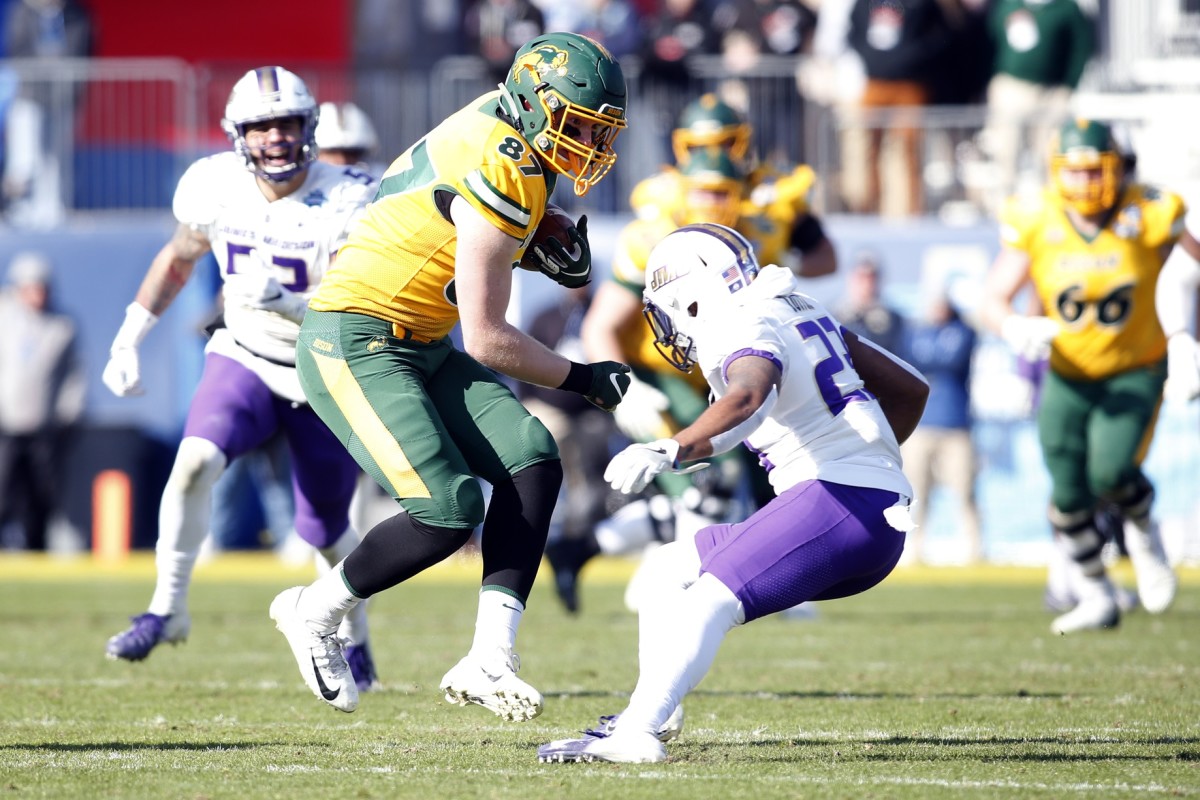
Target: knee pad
{"x": 459, "y": 505}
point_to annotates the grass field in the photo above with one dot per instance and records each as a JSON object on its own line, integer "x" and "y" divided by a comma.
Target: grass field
{"x": 939, "y": 683}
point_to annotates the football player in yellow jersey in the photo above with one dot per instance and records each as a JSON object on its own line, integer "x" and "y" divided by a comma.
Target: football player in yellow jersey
{"x": 1092, "y": 247}
{"x": 709, "y": 186}
{"x": 708, "y": 122}
{"x": 452, "y": 218}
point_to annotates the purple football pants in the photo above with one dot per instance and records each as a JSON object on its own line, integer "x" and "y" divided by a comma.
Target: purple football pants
{"x": 816, "y": 541}
{"x": 234, "y": 409}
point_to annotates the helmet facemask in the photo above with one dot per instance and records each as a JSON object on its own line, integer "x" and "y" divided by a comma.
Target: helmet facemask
{"x": 710, "y": 122}
{"x": 559, "y": 141}
{"x": 1084, "y": 147}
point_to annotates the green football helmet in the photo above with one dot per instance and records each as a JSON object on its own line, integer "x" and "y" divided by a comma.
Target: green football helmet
{"x": 713, "y": 188}
{"x": 558, "y": 83}
{"x": 708, "y": 121}
{"x": 1089, "y": 147}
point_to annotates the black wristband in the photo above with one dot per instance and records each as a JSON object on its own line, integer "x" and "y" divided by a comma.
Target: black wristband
{"x": 579, "y": 379}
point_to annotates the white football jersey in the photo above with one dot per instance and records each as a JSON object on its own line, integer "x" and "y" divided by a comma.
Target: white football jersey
{"x": 825, "y": 424}
{"x": 293, "y": 236}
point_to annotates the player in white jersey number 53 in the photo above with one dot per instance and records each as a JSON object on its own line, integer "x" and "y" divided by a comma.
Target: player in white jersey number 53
{"x": 273, "y": 218}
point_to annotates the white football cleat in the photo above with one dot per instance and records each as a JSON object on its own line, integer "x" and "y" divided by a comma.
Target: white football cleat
{"x": 1156, "y": 580}
{"x": 627, "y": 748}
{"x": 492, "y": 682}
{"x": 319, "y": 656}
{"x": 1096, "y": 610}
{"x": 668, "y": 731}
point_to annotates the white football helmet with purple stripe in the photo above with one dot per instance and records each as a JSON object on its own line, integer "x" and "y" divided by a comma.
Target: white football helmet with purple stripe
{"x": 690, "y": 276}
{"x": 269, "y": 93}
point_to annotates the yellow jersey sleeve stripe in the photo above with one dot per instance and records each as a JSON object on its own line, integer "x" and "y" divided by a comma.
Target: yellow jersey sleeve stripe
{"x": 502, "y": 205}
{"x": 374, "y": 435}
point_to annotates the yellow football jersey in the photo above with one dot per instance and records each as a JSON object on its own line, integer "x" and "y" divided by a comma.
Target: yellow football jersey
{"x": 770, "y": 212}
{"x": 398, "y": 262}
{"x": 657, "y": 196}
{"x": 1101, "y": 289}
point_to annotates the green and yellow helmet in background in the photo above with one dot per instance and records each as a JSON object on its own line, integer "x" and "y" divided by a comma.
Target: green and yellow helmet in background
{"x": 713, "y": 187}
{"x": 708, "y": 121}
{"x": 557, "y": 75}
{"x": 1087, "y": 145}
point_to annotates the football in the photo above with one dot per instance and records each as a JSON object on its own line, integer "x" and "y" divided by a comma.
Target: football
{"x": 555, "y": 223}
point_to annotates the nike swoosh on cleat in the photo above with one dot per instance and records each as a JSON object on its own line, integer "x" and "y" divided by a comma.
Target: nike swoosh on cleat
{"x": 328, "y": 694}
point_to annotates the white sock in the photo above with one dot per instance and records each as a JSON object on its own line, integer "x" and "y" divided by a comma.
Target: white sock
{"x": 183, "y": 516}
{"x": 325, "y": 602}
{"x": 353, "y": 629}
{"x": 496, "y": 622}
{"x": 703, "y": 615}
{"x": 666, "y": 572}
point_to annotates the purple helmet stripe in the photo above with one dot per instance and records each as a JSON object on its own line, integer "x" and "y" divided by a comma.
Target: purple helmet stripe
{"x": 741, "y": 248}
{"x": 268, "y": 80}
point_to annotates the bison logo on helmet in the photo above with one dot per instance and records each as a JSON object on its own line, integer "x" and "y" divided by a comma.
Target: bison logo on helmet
{"x": 541, "y": 61}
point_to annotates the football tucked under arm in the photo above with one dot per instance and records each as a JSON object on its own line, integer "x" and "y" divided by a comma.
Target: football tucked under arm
{"x": 559, "y": 249}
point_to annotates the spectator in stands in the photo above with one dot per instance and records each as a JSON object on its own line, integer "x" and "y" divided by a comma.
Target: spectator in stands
{"x": 862, "y": 309}
{"x": 941, "y": 451}
{"x": 495, "y": 29}
{"x": 42, "y": 388}
{"x": 903, "y": 44}
{"x": 613, "y": 23}
{"x": 44, "y": 119}
{"x": 680, "y": 30}
{"x": 1042, "y": 47}
{"x": 751, "y": 30}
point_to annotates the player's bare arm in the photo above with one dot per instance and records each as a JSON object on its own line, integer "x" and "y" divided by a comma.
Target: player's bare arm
{"x": 483, "y": 275}
{"x": 171, "y": 268}
{"x": 900, "y": 389}
{"x": 613, "y": 308}
{"x": 750, "y": 382}
{"x": 1009, "y": 272}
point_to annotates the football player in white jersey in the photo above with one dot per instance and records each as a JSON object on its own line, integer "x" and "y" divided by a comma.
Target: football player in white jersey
{"x": 274, "y": 219}
{"x": 824, "y": 410}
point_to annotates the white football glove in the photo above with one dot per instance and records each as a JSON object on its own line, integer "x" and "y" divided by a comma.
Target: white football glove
{"x": 1029, "y": 336}
{"x": 258, "y": 288}
{"x": 123, "y": 373}
{"x": 639, "y": 416}
{"x": 1183, "y": 368}
{"x": 632, "y": 469}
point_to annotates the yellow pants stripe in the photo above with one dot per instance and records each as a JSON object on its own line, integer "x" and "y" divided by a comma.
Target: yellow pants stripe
{"x": 379, "y": 442}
